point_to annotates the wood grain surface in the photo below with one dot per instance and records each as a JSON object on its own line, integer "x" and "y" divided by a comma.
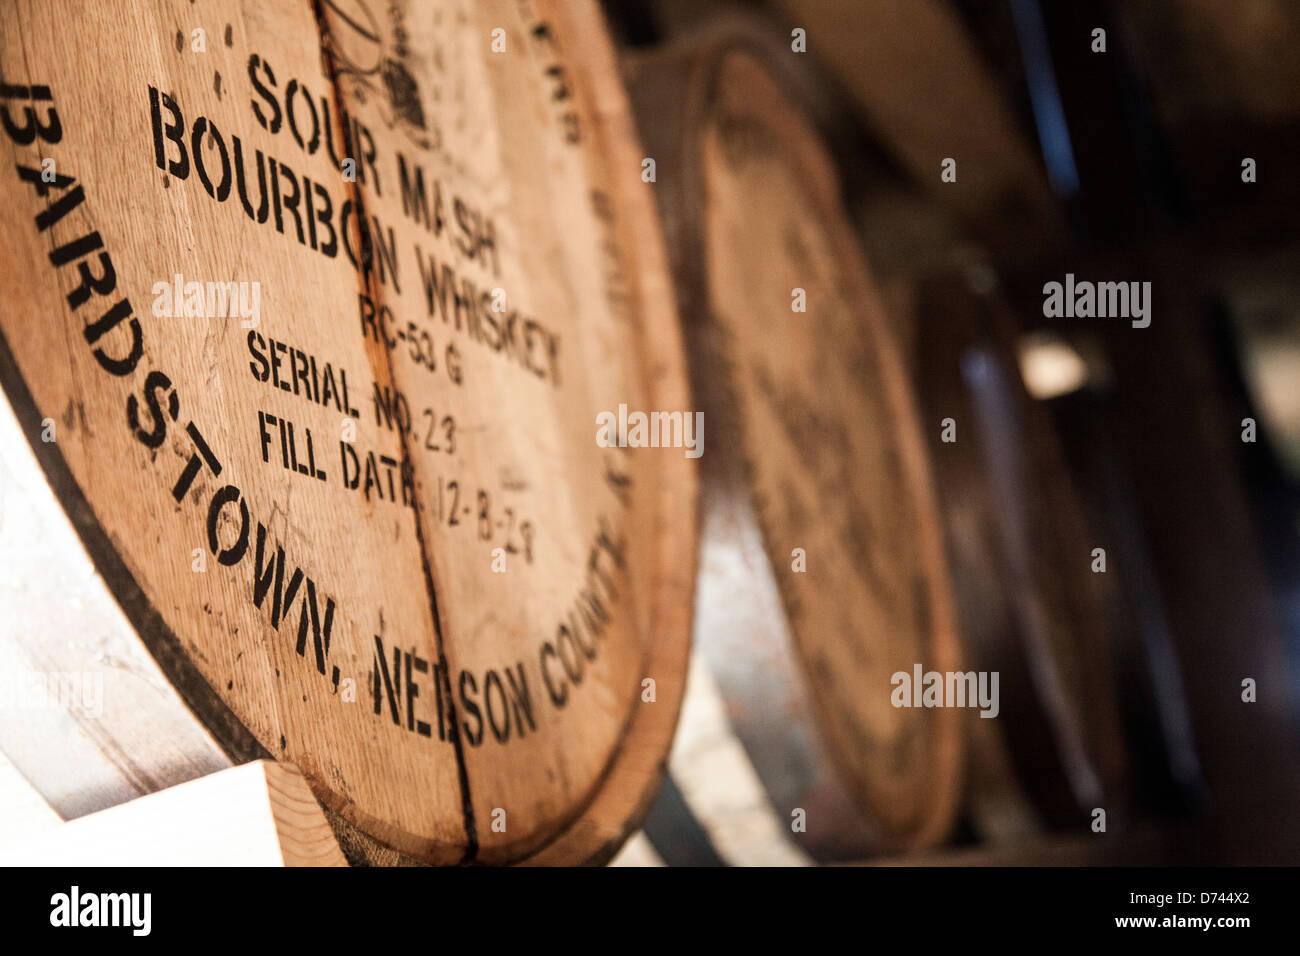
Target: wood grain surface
{"x": 362, "y": 522}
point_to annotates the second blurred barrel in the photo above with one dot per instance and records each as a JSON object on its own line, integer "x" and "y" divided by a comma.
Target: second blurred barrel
{"x": 823, "y": 572}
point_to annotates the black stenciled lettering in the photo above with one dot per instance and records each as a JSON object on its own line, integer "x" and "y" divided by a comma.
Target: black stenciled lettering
{"x": 50, "y": 131}
{"x": 443, "y": 688}
{"x": 469, "y": 310}
{"x": 35, "y": 178}
{"x": 470, "y": 706}
{"x": 158, "y": 397}
{"x": 76, "y": 249}
{"x": 270, "y": 577}
{"x": 56, "y": 211}
{"x": 570, "y": 658}
{"x": 412, "y": 692}
{"x": 392, "y": 684}
{"x": 288, "y": 201}
{"x": 325, "y": 216}
{"x": 111, "y": 319}
{"x": 384, "y": 681}
{"x": 320, "y": 632}
{"x": 103, "y": 284}
{"x": 228, "y": 494}
{"x": 272, "y": 123}
{"x": 521, "y": 699}
{"x": 221, "y": 191}
{"x": 415, "y": 198}
{"x": 263, "y": 208}
{"x": 387, "y": 257}
{"x": 588, "y": 650}
{"x": 201, "y": 456}
{"x": 311, "y": 144}
{"x": 296, "y": 205}
{"x": 501, "y": 731}
{"x": 257, "y": 349}
{"x": 362, "y": 258}
{"x": 309, "y": 212}
{"x": 174, "y": 131}
{"x": 559, "y": 697}
{"x": 564, "y": 659}
{"x": 155, "y": 383}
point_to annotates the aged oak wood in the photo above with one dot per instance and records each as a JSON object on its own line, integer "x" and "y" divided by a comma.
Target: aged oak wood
{"x": 362, "y": 523}
{"x": 816, "y": 461}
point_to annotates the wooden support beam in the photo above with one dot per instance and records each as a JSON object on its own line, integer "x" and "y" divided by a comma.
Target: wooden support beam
{"x": 257, "y": 814}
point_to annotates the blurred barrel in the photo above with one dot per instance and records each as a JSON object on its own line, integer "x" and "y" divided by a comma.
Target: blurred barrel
{"x": 1029, "y": 583}
{"x": 1170, "y": 424}
{"x": 822, "y": 573}
{"x": 314, "y": 311}
{"x": 1132, "y": 693}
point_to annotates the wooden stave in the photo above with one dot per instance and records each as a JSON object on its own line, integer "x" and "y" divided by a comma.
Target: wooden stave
{"x": 610, "y": 812}
{"x": 666, "y": 86}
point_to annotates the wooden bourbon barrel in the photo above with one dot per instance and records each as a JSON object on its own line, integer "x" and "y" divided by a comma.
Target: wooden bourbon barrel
{"x": 1022, "y": 557}
{"x": 822, "y": 565}
{"x": 311, "y": 312}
